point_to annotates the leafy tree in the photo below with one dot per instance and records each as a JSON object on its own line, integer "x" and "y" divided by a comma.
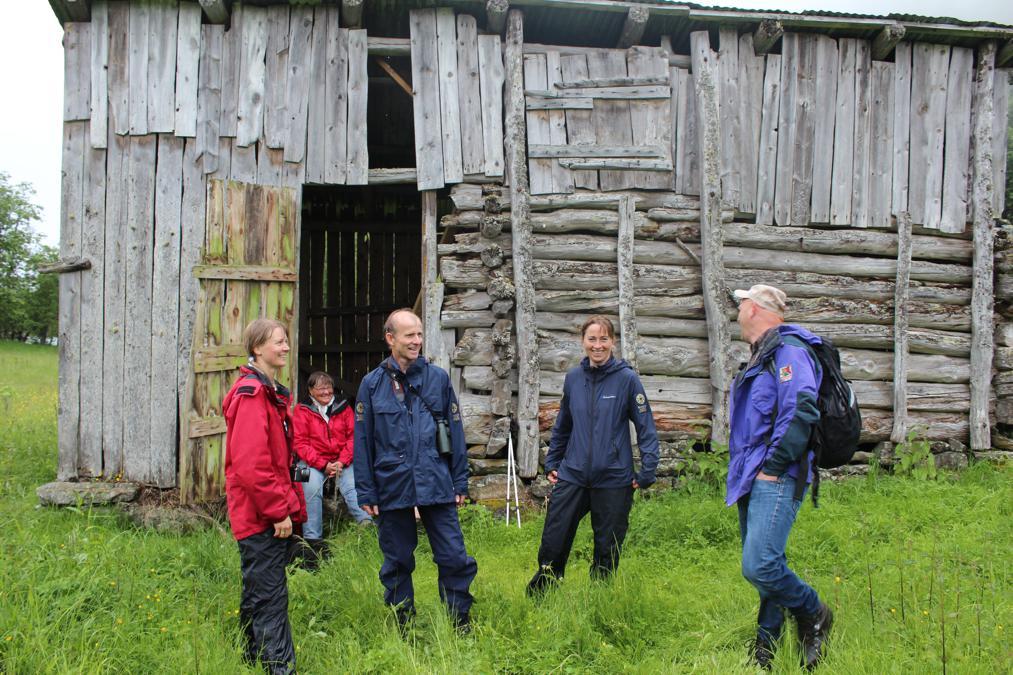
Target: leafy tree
{"x": 28, "y": 300}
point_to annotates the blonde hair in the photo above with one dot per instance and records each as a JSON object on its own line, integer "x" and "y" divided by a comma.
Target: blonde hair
{"x": 258, "y": 332}
{"x": 603, "y": 321}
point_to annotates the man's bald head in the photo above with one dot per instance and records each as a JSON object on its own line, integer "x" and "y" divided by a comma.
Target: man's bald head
{"x": 399, "y": 320}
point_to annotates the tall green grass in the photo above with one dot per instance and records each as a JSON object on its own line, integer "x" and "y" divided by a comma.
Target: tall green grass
{"x": 909, "y": 567}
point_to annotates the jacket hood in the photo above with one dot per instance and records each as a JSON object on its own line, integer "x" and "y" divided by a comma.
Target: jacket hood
{"x": 611, "y": 366}
{"x": 786, "y": 329}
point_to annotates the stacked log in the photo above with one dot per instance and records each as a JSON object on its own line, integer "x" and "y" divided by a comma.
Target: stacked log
{"x": 840, "y": 284}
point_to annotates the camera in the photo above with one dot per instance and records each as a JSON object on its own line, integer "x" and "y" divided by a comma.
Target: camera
{"x": 443, "y": 438}
{"x": 299, "y": 471}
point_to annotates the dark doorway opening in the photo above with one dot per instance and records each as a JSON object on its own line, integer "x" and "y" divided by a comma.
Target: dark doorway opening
{"x": 360, "y": 258}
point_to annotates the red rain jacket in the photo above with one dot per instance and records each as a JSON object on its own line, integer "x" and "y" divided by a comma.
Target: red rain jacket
{"x": 258, "y": 485}
{"x": 318, "y": 442}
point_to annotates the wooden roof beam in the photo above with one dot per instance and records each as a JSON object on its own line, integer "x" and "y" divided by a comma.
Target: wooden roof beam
{"x": 633, "y": 29}
{"x": 217, "y": 11}
{"x": 766, "y": 36}
{"x": 495, "y": 15}
{"x": 351, "y": 13}
{"x": 1004, "y": 55}
{"x": 886, "y": 40}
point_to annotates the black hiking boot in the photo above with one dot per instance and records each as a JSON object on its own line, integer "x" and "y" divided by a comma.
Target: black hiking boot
{"x": 763, "y": 652}
{"x": 543, "y": 579}
{"x": 812, "y": 634}
{"x": 462, "y": 623}
{"x": 405, "y": 619}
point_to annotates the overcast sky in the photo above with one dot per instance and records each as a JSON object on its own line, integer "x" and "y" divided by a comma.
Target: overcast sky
{"x": 32, "y": 80}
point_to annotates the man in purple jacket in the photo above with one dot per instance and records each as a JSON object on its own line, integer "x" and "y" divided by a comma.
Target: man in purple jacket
{"x": 773, "y": 410}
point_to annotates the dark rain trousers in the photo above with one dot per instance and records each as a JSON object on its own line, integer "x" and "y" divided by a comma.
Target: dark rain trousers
{"x": 568, "y": 504}
{"x": 263, "y": 608}
{"x": 398, "y": 538}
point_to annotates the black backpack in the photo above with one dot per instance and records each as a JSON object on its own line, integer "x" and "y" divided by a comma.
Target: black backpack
{"x": 834, "y": 439}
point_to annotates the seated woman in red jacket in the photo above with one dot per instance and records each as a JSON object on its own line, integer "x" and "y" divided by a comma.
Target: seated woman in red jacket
{"x": 322, "y": 436}
{"x": 263, "y": 501}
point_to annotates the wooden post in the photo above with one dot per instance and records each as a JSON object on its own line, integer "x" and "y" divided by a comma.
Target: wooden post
{"x": 633, "y": 28}
{"x": 495, "y": 15}
{"x": 705, "y": 82}
{"x": 766, "y": 36}
{"x": 900, "y": 324}
{"x": 983, "y": 230}
{"x": 217, "y": 11}
{"x": 351, "y": 13}
{"x": 624, "y": 257}
{"x": 432, "y": 290}
{"x": 886, "y": 41}
{"x": 516, "y": 162}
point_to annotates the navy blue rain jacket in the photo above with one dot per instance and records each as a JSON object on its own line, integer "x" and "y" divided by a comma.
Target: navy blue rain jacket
{"x": 590, "y": 443}
{"x": 396, "y": 462}
{"x": 782, "y": 375}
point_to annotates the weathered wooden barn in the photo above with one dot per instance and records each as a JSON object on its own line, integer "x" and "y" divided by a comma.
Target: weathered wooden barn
{"x": 509, "y": 167}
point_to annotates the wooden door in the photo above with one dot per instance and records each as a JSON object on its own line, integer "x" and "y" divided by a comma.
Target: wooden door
{"x": 248, "y": 270}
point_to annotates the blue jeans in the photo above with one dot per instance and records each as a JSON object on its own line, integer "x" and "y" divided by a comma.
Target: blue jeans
{"x": 314, "y": 490}
{"x": 766, "y": 515}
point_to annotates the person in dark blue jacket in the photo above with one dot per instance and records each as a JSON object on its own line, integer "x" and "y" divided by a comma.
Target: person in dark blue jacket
{"x": 590, "y": 459}
{"x": 773, "y": 409}
{"x": 399, "y": 466}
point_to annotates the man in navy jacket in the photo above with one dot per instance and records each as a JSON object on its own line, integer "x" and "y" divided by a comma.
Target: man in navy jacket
{"x": 773, "y": 410}
{"x": 398, "y": 468}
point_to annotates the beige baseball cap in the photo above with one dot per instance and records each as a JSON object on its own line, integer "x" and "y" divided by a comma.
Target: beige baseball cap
{"x": 767, "y": 297}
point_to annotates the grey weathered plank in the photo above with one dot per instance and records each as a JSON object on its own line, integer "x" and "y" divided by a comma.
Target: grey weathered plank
{"x": 99, "y": 73}
{"x": 318, "y": 100}
{"x": 232, "y": 47}
{"x": 490, "y": 66}
{"x": 163, "y": 21}
{"x": 425, "y": 82}
{"x": 450, "y": 105}
{"x": 276, "y": 77}
{"x": 844, "y": 135}
{"x": 882, "y": 155}
{"x": 649, "y": 120}
{"x": 270, "y": 165}
{"x": 825, "y": 108}
{"x": 209, "y": 97}
{"x": 297, "y": 85}
{"x": 136, "y": 389}
{"x": 165, "y": 286}
{"x": 805, "y": 132}
{"x": 243, "y": 165}
{"x": 114, "y": 295}
{"x": 469, "y": 90}
{"x": 957, "y": 151}
{"x": 901, "y": 125}
{"x": 579, "y": 127}
{"x": 336, "y": 113}
{"x": 750, "y": 76}
{"x": 539, "y": 170}
{"x": 187, "y": 69}
{"x": 648, "y": 81}
{"x": 603, "y": 93}
{"x": 359, "y": 159}
{"x": 673, "y": 122}
{"x": 562, "y": 177}
{"x": 929, "y": 69}
{"x": 252, "y": 71}
{"x": 728, "y": 102}
{"x": 76, "y": 67}
{"x": 606, "y": 163}
{"x": 192, "y": 217}
{"x": 137, "y": 65}
{"x": 900, "y": 328}
{"x": 538, "y": 103}
{"x": 75, "y": 138}
{"x": 766, "y": 165}
{"x": 860, "y": 208}
{"x": 587, "y": 150}
{"x": 1000, "y": 131}
{"x": 118, "y": 74}
{"x": 786, "y": 128}
{"x": 624, "y": 264}
{"x": 89, "y": 460}
{"x": 358, "y": 83}
{"x": 611, "y": 118}
{"x": 687, "y": 159}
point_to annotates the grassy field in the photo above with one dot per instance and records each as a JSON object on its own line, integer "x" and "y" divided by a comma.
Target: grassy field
{"x": 917, "y": 572}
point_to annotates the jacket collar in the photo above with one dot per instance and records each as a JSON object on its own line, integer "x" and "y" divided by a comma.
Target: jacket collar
{"x": 275, "y": 389}
{"x": 417, "y": 366}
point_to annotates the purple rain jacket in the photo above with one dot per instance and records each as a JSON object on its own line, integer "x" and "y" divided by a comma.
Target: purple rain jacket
{"x": 781, "y": 375}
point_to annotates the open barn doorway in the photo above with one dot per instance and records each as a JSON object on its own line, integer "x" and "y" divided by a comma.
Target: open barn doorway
{"x": 360, "y": 258}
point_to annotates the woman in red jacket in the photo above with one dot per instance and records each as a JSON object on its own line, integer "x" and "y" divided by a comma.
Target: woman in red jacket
{"x": 263, "y": 501}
